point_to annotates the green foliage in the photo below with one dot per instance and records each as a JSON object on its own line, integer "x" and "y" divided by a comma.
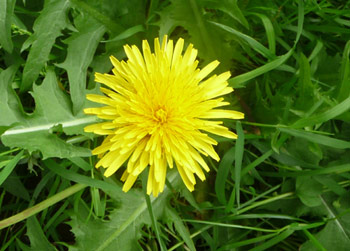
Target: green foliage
{"x": 283, "y": 185}
{"x": 40, "y": 128}
{"x": 47, "y": 27}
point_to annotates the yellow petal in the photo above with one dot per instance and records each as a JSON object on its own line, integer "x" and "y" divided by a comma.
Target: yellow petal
{"x": 130, "y": 180}
{"x": 208, "y": 69}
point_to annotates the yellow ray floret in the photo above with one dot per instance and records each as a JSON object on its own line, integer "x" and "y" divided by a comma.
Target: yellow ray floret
{"x": 159, "y": 108}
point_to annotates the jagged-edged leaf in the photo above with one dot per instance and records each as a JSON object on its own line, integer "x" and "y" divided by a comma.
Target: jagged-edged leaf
{"x": 122, "y": 230}
{"x": 10, "y": 108}
{"x": 96, "y": 233}
{"x": 6, "y": 12}
{"x": 81, "y": 48}
{"x": 230, "y": 7}
{"x": 180, "y": 227}
{"x": 36, "y": 131}
{"x": 47, "y": 28}
{"x": 206, "y": 37}
{"x": 38, "y": 240}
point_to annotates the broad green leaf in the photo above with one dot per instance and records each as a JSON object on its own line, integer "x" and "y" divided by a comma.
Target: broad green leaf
{"x": 122, "y": 230}
{"x": 36, "y": 131}
{"x": 126, "y": 220}
{"x": 308, "y": 191}
{"x": 81, "y": 49}
{"x": 336, "y": 234}
{"x": 47, "y": 28}
{"x": 6, "y": 13}
{"x": 38, "y": 240}
{"x": 314, "y": 241}
{"x": 94, "y": 233}
{"x": 96, "y": 14}
{"x": 331, "y": 238}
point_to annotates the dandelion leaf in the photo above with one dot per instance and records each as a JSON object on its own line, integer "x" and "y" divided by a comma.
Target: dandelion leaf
{"x": 208, "y": 39}
{"x": 81, "y": 48}
{"x": 38, "y": 240}
{"x": 47, "y": 27}
{"x": 36, "y": 131}
{"x": 122, "y": 230}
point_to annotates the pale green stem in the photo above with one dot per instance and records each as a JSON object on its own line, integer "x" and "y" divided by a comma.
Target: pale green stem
{"x": 263, "y": 202}
{"x": 41, "y": 206}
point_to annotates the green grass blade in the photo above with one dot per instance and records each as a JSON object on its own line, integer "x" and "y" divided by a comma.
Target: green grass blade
{"x": 274, "y": 240}
{"x": 126, "y": 34}
{"x": 325, "y": 116}
{"x": 41, "y": 206}
{"x": 300, "y": 20}
{"x": 247, "y": 242}
{"x": 316, "y": 138}
{"x": 73, "y": 176}
{"x": 270, "y": 32}
{"x": 344, "y": 90}
{"x": 316, "y": 50}
{"x": 258, "y": 47}
{"x": 222, "y": 174}
{"x": 181, "y": 228}
{"x": 7, "y": 170}
{"x": 6, "y": 13}
{"x": 256, "y": 162}
{"x": 326, "y": 170}
{"x": 245, "y": 77}
{"x": 314, "y": 240}
{"x": 239, "y": 150}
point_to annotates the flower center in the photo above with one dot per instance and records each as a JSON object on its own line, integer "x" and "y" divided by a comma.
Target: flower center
{"x": 161, "y": 115}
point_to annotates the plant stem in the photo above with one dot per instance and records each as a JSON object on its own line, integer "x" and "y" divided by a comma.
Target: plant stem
{"x": 41, "y": 206}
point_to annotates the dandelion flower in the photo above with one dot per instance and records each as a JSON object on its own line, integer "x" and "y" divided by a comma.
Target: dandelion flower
{"x": 159, "y": 107}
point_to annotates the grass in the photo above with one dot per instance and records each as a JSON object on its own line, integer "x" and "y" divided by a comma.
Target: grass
{"x": 283, "y": 185}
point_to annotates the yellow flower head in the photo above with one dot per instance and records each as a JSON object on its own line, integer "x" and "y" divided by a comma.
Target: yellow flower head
{"x": 159, "y": 106}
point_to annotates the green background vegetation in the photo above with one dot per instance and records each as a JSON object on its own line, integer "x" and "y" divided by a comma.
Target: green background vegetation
{"x": 283, "y": 185}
